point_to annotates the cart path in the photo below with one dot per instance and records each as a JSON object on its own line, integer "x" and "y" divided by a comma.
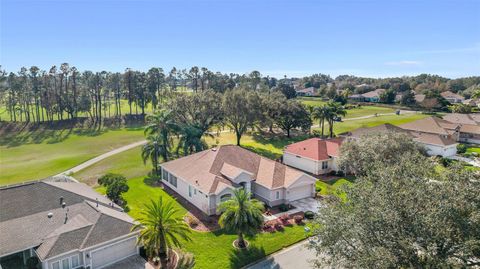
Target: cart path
{"x": 101, "y": 157}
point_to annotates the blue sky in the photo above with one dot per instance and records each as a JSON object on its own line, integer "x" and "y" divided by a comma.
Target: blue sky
{"x": 294, "y": 38}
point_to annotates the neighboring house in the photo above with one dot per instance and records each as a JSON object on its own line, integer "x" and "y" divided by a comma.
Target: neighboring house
{"x": 306, "y": 92}
{"x": 451, "y": 97}
{"x": 316, "y": 156}
{"x": 356, "y": 97}
{"x": 373, "y": 96}
{"x": 435, "y": 144}
{"x": 468, "y": 126}
{"x": 64, "y": 224}
{"x": 209, "y": 177}
{"x": 472, "y": 102}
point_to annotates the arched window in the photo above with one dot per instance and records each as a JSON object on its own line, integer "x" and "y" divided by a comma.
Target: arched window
{"x": 225, "y": 197}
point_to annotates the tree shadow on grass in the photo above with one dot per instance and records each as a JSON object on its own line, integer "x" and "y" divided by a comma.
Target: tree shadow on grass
{"x": 242, "y": 257}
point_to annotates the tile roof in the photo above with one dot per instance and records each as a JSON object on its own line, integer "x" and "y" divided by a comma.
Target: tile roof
{"x": 433, "y": 139}
{"x": 429, "y": 125}
{"x": 316, "y": 148}
{"x": 374, "y": 93}
{"x": 206, "y": 169}
{"x": 463, "y": 118}
{"x": 449, "y": 94}
{"x": 383, "y": 128}
{"x": 24, "y": 222}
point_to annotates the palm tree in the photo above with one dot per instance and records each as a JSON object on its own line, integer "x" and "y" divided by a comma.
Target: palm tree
{"x": 153, "y": 149}
{"x": 161, "y": 228}
{"x": 162, "y": 125}
{"x": 321, "y": 113}
{"x": 241, "y": 215}
{"x": 336, "y": 110}
{"x": 190, "y": 140}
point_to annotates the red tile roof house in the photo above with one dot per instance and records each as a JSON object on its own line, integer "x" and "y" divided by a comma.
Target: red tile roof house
{"x": 209, "y": 177}
{"x": 316, "y": 156}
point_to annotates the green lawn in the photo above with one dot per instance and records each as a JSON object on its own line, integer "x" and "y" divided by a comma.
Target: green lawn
{"x": 367, "y": 111}
{"x": 128, "y": 163}
{"x": 472, "y": 149}
{"x": 312, "y": 101}
{"x": 214, "y": 249}
{"x": 38, "y": 154}
{"x": 333, "y": 187}
{"x": 346, "y": 126}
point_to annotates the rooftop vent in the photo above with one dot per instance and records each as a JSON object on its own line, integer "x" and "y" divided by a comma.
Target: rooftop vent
{"x": 50, "y": 215}
{"x": 64, "y": 205}
{"x": 61, "y": 199}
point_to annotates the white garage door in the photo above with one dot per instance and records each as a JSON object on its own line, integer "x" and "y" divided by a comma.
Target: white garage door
{"x": 113, "y": 253}
{"x": 299, "y": 192}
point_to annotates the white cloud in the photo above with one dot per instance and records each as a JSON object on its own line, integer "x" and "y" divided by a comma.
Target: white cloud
{"x": 404, "y": 63}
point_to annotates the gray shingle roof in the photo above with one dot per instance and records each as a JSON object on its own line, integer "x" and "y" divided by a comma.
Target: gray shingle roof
{"x": 24, "y": 222}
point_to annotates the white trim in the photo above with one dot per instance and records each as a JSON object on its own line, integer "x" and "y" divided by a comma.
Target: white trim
{"x": 303, "y": 157}
{"x": 104, "y": 247}
{"x": 111, "y": 242}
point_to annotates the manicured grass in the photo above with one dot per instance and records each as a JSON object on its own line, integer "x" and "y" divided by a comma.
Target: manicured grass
{"x": 213, "y": 249}
{"x": 268, "y": 146}
{"x": 367, "y": 111}
{"x": 472, "y": 149}
{"x": 333, "y": 187}
{"x": 311, "y": 101}
{"x": 128, "y": 163}
{"x": 346, "y": 126}
{"x": 42, "y": 153}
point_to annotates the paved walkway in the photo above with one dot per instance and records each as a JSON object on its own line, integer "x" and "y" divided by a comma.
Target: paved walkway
{"x": 473, "y": 162}
{"x": 293, "y": 257}
{"x": 101, "y": 157}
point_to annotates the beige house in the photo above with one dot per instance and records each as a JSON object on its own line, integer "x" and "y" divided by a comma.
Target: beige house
{"x": 207, "y": 178}
{"x": 451, "y": 97}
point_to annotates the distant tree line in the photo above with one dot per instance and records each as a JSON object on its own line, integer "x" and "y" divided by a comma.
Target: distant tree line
{"x": 35, "y": 95}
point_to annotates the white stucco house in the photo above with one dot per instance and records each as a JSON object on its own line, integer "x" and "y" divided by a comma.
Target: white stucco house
{"x": 65, "y": 225}
{"x": 316, "y": 156}
{"x": 209, "y": 177}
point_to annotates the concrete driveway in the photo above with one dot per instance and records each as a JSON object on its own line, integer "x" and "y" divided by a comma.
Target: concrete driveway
{"x": 294, "y": 257}
{"x": 132, "y": 262}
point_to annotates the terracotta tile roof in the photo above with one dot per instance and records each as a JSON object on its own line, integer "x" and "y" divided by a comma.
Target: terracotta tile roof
{"x": 316, "y": 148}
{"x": 470, "y": 128}
{"x": 209, "y": 170}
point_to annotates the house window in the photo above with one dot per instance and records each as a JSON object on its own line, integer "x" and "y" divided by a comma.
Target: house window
{"x": 66, "y": 263}
{"x": 277, "y": 195}
{"x": 173, "y": 180}
{"x": 324, "y": 165}
{"x": 225, "y": 197}
{"x": 164, "y": 175}
{"x": 56, "y": 265}
{"x": 189, "y": 191}
{"x": 75, "y": 261}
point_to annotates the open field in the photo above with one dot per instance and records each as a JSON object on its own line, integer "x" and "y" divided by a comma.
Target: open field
{"x": 213, "y": 249}
{"x": 39, "y": 154}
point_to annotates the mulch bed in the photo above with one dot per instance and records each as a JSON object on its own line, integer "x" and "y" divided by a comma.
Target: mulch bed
{"x": 205, "y": 223}
{"x": 171, "y": 263}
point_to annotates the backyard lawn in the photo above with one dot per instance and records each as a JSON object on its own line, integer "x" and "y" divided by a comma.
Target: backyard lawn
{"x": 38, "y": 154}
{"x": 213, "y": 249}
{"x": 472, "y": 149}
{"x": 333, "y": 187}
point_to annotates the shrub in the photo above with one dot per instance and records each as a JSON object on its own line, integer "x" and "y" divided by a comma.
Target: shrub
{"x": 283, "y": 207}
{"x": 284, "y": 219}
{"x": 298, "y": 219}
{"x": 192, "y": 221}
{"x": 309, "y": 215}
{"x": 278, "y": 226}
{"x": 461, "y": 148}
